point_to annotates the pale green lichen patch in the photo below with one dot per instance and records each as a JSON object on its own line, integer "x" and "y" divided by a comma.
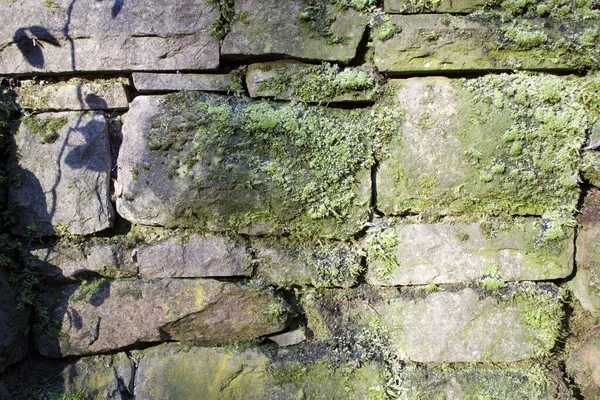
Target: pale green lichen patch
{"x": 311, "y": 158}
{"x": 324, "y": 83}
{"x": 47, "y": 127}
{"x": 500, "y": 144}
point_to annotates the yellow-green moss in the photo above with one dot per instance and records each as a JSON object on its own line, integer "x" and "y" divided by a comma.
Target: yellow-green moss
{"x": 47, "y": 127}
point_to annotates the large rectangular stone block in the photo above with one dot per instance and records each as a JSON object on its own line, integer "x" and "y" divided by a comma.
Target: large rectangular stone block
{"x": 61, "y": 180}
{"x": 420, "y": 254}
{"x": 217, "y": 162}
{"x": 430, "y": 43}
{"x": 500, "y": 144}
{"x": 446, "y": 326}
{"x": 86, "y": 36}
{"x": 294, "y": 28}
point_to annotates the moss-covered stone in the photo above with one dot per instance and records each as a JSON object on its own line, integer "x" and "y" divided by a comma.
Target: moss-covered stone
{"x": 460, "y": 252}
{"x": 517, "y": 323}
{"x": 101, "y": 316}
{"x": 435, "y": 6}
{"x": 501, "y": 144}
{"x": 253, "y": 167}
{"x": 286, "y": 264}
{"x": 433, "y": 43}
{"x": 285, "y": 80}
{"x": 302, "y": 29}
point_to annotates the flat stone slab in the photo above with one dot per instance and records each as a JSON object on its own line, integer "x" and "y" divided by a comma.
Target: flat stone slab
{"x": 486, "y": 145}
{"x": 193, "y": 257}
{"x": 274, "y": 28}
{"x": 443, "y": 6}
{"x": 63, "y": 261}
{"x": 102, "y": 316}
{"x": 198, "y": 160}
{"x": 150, "y": 83}
{"x": 584, "y": 366}
{"x": 288, "y": 264}
{"x": 74, "y": 95}
{"x": 446, "y": 326}
{"x": 290, "y": 80}
{"x": 461, "y": 252}
{"x": 59, "y": 36}
{"x": 61, "y": 180}
{"x": 430, "y": 43}
{"x": 289, "y": 338}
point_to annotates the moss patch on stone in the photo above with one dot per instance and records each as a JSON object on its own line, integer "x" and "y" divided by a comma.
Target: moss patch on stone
{"x": 46, "y": 127}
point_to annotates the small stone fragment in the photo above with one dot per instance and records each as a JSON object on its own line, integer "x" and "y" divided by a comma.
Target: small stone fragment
{"x": 289, "y": 338}
{"x": 150, "y": 83}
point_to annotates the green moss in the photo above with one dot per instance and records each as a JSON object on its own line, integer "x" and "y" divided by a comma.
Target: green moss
{"x": 420, "y": 6}
{"x": 380, "y": 246}
{"x": 89, "y": 288}
{"x": 323, "y": 83}
{"x": 221, "y": 26}
{"x": 308, "y": 158}
{"x": 47, "y": 127}
{"x": 134, "y": 293}
{"x": 525, "y": 38}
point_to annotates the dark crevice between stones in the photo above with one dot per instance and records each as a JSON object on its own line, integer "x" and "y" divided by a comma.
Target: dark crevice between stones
{"x": 362, "y": 50}
{"x": 376, "y": 212}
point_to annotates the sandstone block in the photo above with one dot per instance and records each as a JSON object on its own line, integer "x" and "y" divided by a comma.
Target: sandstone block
{"x": 196, "y": 256}
{"x": 74, "y": 94}
{"x": 500, "y": 144}
{"x": 13, "y": 324}
{"x": 62, "y": 36}
{"x": 192, "y": 159}
{"x": 61, "y": 180}
{"x": 148, "y": 82}
{"x": 274, "y": 28}
{"x": 101, "y": 316}
{"x": 429, "y": 43}
{"x": 445, "y": 326}
{"x": 584, "y": 365}
{"x": 420, "y": 254}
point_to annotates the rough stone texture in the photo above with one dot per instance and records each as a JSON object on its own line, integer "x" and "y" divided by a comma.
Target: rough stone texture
{"x": 61, "y": 262}
{"x": 96, "y": 377}
{"x": 273, "y": 28}
{"x": 220, "y": 189}
{"x": 148, "y": 83}
{"x": 446, "y": 326}
{"x": 586, "y": 284}
{"x": 289, "y": 338}
{"x": 64, "y": 184}
{"x": 445, "y": 6}
{"x": 13, "y": 324}
{"x": 196, "y": 256}
{"x": 300, "y": 73}
{"x": 102, "y": 316}
{"x": 299, "y": 264}
{"x": 460, "y": 151}
{"x": 107, "y": 36}
{"x": 74, "y": 94}
{"x": 460, "y": 252}
{"x": 426, "y": 45}
{"x": 171, "y": 371}
{"x": 583, "y": 365}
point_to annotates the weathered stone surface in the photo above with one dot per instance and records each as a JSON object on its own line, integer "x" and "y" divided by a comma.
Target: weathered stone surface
{"x": 191, "y": 159}
{"x": 446, "y": 326}
{"x": 147, "y": 82}
{"x": 96, "y": 377}
{"x": 66, "y": 261}
{"x": 172, "y": 371}
{"x": 586, "y": 283}
{"x": 427, "y": 45}
{"x": 13, "y": 324}
{"x": 274, "y": 28}
{"x": 61, "y": 179}
{"x": 461, "y": 252}
{"x": 196, "y": 256}
{"x": 500, "y": 144}
{"x": 289, "y": 338}
{"x": 583, "y": 365}
{"x": 288, "y": 264}
{"x": 107, "y": 36}
{"x": 291, "y": 80}
{"x": 483, "y": 382}
{"x": 102, "y": 316}
{"x": 444, "y": 6}
{"x": 74, "y": 94}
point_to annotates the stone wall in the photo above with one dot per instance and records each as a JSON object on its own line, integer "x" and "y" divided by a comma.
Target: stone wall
{"x": 328, "y": 199}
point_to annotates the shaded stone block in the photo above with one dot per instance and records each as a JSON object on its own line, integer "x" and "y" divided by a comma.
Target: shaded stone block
{"x": 148, "y": 82}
